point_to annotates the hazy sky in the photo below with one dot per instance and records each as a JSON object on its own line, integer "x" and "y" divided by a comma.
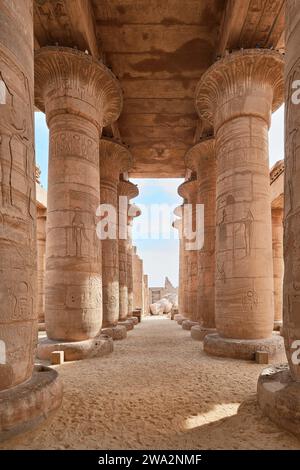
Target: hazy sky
{"x": 160, "y": 255}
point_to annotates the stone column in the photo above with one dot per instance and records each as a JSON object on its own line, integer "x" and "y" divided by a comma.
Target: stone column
{"x": 41, "y": 264}
{"x": 133, "y": 212}
{"x": 188, "y": 190}
{"x": 25, "y": 390}
{"x": 138, "y": 273}
{"x": 114, "y": 159}
{"x": 278, "y": 264}
{"x": 279, "y": 386}
{"x": 128, "y": 191}
{"x": 146, "y": 295}
{"x": 177, "y": 224}
{"x": 80, "y": 96}
{"x": 237, "y": 95}
{"x": 201, "y": 159}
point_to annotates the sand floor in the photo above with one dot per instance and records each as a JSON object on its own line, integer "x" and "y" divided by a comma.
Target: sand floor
{"x": 158, "y": 391}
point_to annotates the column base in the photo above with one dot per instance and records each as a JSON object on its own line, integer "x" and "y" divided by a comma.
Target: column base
{"x": 29, "y": 404}
{"x": 278, "y": 396}
{"x": 115, "y": 332}
{"x": 277, "y": 325}
{"x": 137, "y": 313}
{"x": 245, "y": 349}
{"x": 42, "y": 326}
{"x": 188, "y": 324}
{"x": 76, "y": 350}
{"x": 181, "y": 320}
{"x": 134, "y": 320}
{"x": 178, "y": 316}
{"x": 129, "y": 325}
{"x": 199, "y": 332}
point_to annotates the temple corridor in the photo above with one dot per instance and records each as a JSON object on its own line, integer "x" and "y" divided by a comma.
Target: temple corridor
{"x": 158, "y": 391}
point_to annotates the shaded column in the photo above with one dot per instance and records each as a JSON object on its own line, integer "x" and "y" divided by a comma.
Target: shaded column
{"x": 41, "y": 264}
{"x": 278, "y": 264}
{"x": 177, "y": 224}
{"x": 138, "y": 273}
{"x": 127, "y": 191}
{"x": 279, "y": 386}
{"x": 237, "y": 95}
{"x": 114, "y": 159}
{"x": 188, "y": 190}
{"x": 134, "y": 211}
{"x": 80, "y": 96}
{"x": 201, "y": 159}
{"x": 25, "y": 390}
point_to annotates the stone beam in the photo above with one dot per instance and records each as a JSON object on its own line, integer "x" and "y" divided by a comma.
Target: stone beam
{"x": 234, "y": 17}
{"x": 68, "y": 24}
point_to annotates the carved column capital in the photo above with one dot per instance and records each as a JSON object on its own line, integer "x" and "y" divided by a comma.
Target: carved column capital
{"x": 188, "y": 190}
{"x": 247, "y": 82}
{"x": 70, "y": 81}
{"x": 115, "y": 158}
{"x": 200, "y": 156}
{"x": 126, "y": 188}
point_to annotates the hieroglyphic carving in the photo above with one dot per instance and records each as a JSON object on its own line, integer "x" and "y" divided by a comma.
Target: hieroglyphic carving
{"x": 291, "y": 297}
{"x": 17, "y": 195}
{"x": 228, "y": 95}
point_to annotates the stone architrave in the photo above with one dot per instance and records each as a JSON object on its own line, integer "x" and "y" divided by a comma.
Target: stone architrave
{"x": 28, "y": 394}
{"x": 80, "y": 96}
{"x": 237, "y": 96}
{"x": 114, "y": 160}
{"x": 201, "y": 159}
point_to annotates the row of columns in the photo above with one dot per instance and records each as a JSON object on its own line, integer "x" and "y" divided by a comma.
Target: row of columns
{"x": 235, "y": 279}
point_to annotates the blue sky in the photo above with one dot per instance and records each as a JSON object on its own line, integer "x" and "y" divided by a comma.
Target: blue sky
{"x": 160, "y": 256}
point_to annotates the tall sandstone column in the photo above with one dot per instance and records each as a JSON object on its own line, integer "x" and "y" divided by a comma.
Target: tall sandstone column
{"x": 177, "y": 224}
{"x": 25, "y": 391}
{"x": 138, "y": 281}
{"x": 279, "y": 386}
{"x": 188, "y": 191}
{"x": 133, "y": 212}
{"x": 80, "y": 96}
{"x": 278, "y": 264}
{"x": 237, "y": 95}
{"x": 41, "y": 264}
{"x": 114, "y": 159}
{"x": 202, "y": 160}
{"x": 127, "y": 191}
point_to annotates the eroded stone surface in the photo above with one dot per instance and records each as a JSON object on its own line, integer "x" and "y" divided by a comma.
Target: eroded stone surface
{"x": 215, "y": 345}
{"x": 27, "y": 405}
{"x": 279, "y": 397}
{"x": 198, "y": 332}
{"x": 115, "y": 332}
{"x": 76, "y": 350}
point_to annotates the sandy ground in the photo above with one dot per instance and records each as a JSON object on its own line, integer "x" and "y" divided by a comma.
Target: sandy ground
{"x": 158, "y": 391}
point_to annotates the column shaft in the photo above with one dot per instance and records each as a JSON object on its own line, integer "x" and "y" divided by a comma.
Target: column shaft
{"x": 291, "y": 298}
{"x": 18, "y": 314}
{"x": 41, "y": 263}
{"x": 278, "y": 265}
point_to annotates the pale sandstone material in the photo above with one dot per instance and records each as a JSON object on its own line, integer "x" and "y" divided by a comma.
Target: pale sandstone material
{"x": 41, "y": 264}
{"x": 202, "y": 159}
{"x": 18, "y": 276}
{"x": 278, "y": 264}
{"x": 80, "y": 96}
{"x": 138, "y": 281}
{"x": 278, "y": 390}
{"x": 188, "y": 191}
{"x": 237, "y": 95}
{"x": 198, "y": 332}
{"x": 127, "y": 190}
{"x": 117, "y": 332}
{"x": 114, "y": 160}
{"x": 178, "y": 224}
{"x": 188, "y": 324}
{"x": 133, "y": 212}
{"x": 57, "y": 357}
